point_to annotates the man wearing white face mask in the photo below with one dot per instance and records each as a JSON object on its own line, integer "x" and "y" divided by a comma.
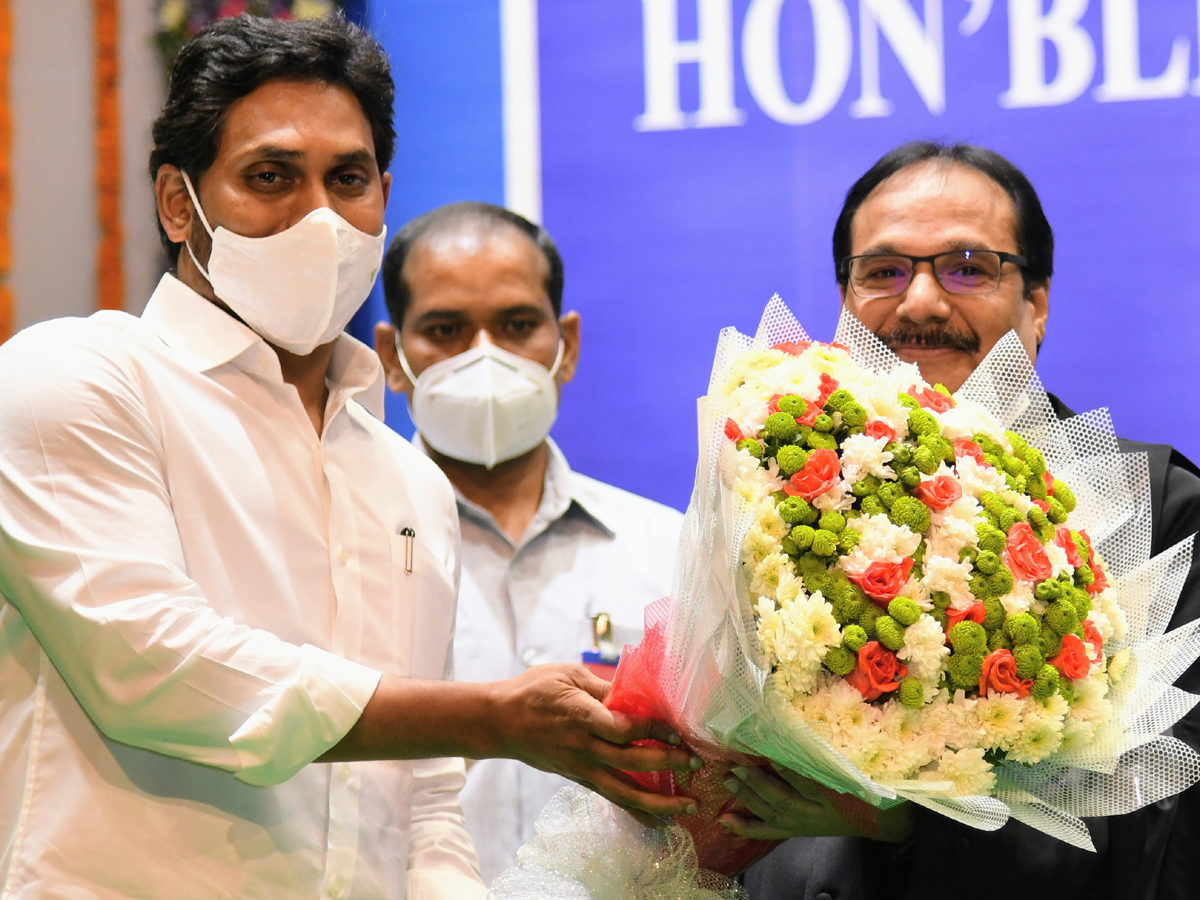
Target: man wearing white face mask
{"x": 227, "y": 590}
{"x": 481, "y": 346}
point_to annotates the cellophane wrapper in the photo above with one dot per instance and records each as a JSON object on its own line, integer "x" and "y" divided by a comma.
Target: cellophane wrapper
{"x": 703, "y": 668}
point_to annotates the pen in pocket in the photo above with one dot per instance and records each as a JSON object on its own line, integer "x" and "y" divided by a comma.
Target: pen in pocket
{"x": 410, "y": 537}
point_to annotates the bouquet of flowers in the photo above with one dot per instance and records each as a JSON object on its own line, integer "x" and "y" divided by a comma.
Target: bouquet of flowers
{"x": 908, "y": 594}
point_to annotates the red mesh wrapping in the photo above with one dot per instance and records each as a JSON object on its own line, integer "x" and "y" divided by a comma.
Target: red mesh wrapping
{"x": 637, "y": 691}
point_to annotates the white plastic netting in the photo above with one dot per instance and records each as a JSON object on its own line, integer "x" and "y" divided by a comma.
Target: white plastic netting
{"x": 588, "y": 849}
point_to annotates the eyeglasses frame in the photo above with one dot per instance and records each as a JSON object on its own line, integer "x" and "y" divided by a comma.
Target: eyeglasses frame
{"x": 1014, "y": 258}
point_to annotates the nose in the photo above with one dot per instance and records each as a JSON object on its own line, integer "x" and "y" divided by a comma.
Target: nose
{"x": 481, "y": 337}
{"x": 313, "y": 197}
{"x": 924, "y": 300}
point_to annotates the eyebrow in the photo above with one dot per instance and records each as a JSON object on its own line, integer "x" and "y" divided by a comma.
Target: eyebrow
{"x": 432, "y": 316}
{"x": 278, "y": 153}
{"x": 887, "y": 248}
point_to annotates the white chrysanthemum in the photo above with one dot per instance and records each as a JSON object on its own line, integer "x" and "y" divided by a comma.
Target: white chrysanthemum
{"x": 916, "y": 747}
{"x": 796, "y": 637}
{"x": 924, "y": 652}
{"x": 766, "y": 516}
{"x": 953, "y": 528}
{"x": 838, "y": 498}
{"x": 848, "y": 712}
{"x": 1107, "y": 602}
{"x": 1018, "y": 501}
{"x": 790, "y": 587}
{"x": 949, "y": 576}
{"x": 999, "y": 716}
{"x": 967, "y": 419}
{"x": 1019, "y": 599}
{"x": 1058, "y": 560}
{"x": 880, "y": 541}
{"x": 1118, "y": 664}
{"x": 765, "y": 580}
{"x": 1102, "y": 623}
{"x": 1041, "y": 735}
{"x": 971, "y": 773}
{"x": 758, "y": 545}
{"x": 875, "y": 755}
{"x": 961, "y": 728}
{"x": 976, "y": 479}
{"x": 882, "y": 401}
{"x": 863, "y": 455}
{"x": 750, "y": 365}
{"x": 753, "y": 483}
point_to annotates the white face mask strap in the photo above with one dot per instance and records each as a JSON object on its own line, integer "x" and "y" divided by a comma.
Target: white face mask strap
{"x": 562, "y": 346}
{"x": 187, "y": 183}
{"x": 408, "y": 372}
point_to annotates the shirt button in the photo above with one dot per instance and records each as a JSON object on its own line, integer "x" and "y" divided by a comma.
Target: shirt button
{"x": 342, "y": 555}
{"x": 344, "y": 772}
{"x": 337, "y": 890}
{"x": 824, "y": 895}
{"x": 962, "y": 846}
{"x": 529, "y": 655}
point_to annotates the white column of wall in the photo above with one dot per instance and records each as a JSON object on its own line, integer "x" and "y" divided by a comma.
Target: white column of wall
{"x": 53, "y": 223}
{"x": 143, "y": 90}
{"x": 53, "y": 220}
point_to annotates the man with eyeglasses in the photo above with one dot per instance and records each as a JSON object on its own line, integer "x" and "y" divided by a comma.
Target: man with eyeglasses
{"x": 940, "y": 251}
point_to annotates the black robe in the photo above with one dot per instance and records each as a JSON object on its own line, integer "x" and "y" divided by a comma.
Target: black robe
{"x": 1151, "y": 854}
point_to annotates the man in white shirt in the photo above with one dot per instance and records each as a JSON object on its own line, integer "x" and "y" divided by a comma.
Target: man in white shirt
{"x": 475, "y": 295}
{"x": 216, "y": 566}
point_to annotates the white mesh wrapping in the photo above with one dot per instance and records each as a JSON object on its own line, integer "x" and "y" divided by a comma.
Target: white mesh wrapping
{"x": 716, "y": 673}
{"x": 588, "y": 849}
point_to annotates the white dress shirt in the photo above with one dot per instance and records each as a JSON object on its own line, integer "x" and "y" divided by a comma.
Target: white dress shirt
{"x": 199, "y": 595}
{"x": 591, "y": 548}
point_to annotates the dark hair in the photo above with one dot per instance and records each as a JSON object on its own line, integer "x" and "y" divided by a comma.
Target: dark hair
{"x": 455, "y": 215}
{"x": 233, "y": 57}
{"x": 1035, "y": 239}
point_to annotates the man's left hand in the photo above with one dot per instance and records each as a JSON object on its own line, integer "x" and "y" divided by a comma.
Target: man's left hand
{"x": 789, "y": 805}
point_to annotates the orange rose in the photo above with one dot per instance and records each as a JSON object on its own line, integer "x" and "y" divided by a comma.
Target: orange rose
{"x": 795, "y": 348}
{"x": 877, "y": 671}
{"x": 1072, "y": 661}
{"x": 976, "y": 612}
{"x": 963, "y": 447}
{"x": 883, "y": 581}
{"x": 939, "y": 493}
{"x": 732, "y": 431}
{"x": 1000, "y": 674}
{"x": 819, "y": 474}
{"x": 1062, "y": 537}
{"x": 1094, "y": 637}
{"x": 1026, "y": 556}
{"x": 1100, "y": 580}
{"x": 932, "y": 400}
{"x": 877, "y": 428}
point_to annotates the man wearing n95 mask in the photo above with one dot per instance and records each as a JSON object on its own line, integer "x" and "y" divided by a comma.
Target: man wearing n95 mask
{"x": 479, "y": 343}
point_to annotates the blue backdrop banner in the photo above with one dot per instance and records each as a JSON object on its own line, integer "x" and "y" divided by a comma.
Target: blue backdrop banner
{"x": 694, "y": 155}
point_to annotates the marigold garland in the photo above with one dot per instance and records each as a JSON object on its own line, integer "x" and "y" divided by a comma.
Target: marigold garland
{"x": 110, "y": 272}
{"x": 6, "y": 298}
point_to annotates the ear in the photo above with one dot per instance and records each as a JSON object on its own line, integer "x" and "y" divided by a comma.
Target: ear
{"x": 175, "y": 210}
{"x": 386, "y": 183}
{"x": 569, "y": 326}
{"x": 1039, "y": 312}
{"x": 385, "y": 349}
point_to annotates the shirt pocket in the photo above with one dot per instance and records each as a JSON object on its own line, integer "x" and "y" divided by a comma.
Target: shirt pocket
{"x": 423, "y": 604}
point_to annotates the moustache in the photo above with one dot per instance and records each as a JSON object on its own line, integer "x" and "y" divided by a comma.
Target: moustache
{"x": 930, "y": 338}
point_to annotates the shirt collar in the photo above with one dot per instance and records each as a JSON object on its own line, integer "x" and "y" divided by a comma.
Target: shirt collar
{"x": 203, "y": 337}
{"x": 564, "y": 493}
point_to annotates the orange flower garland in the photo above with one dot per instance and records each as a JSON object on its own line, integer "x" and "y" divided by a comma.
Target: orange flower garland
{"x": 6, "y": 300}
{"x": 110, "y": 272}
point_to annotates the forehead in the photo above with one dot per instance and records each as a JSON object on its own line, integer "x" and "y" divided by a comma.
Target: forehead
{"x": 301, "y": 115}
{"x": 934, "y": 206}
{"x": 476, "y": 265}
